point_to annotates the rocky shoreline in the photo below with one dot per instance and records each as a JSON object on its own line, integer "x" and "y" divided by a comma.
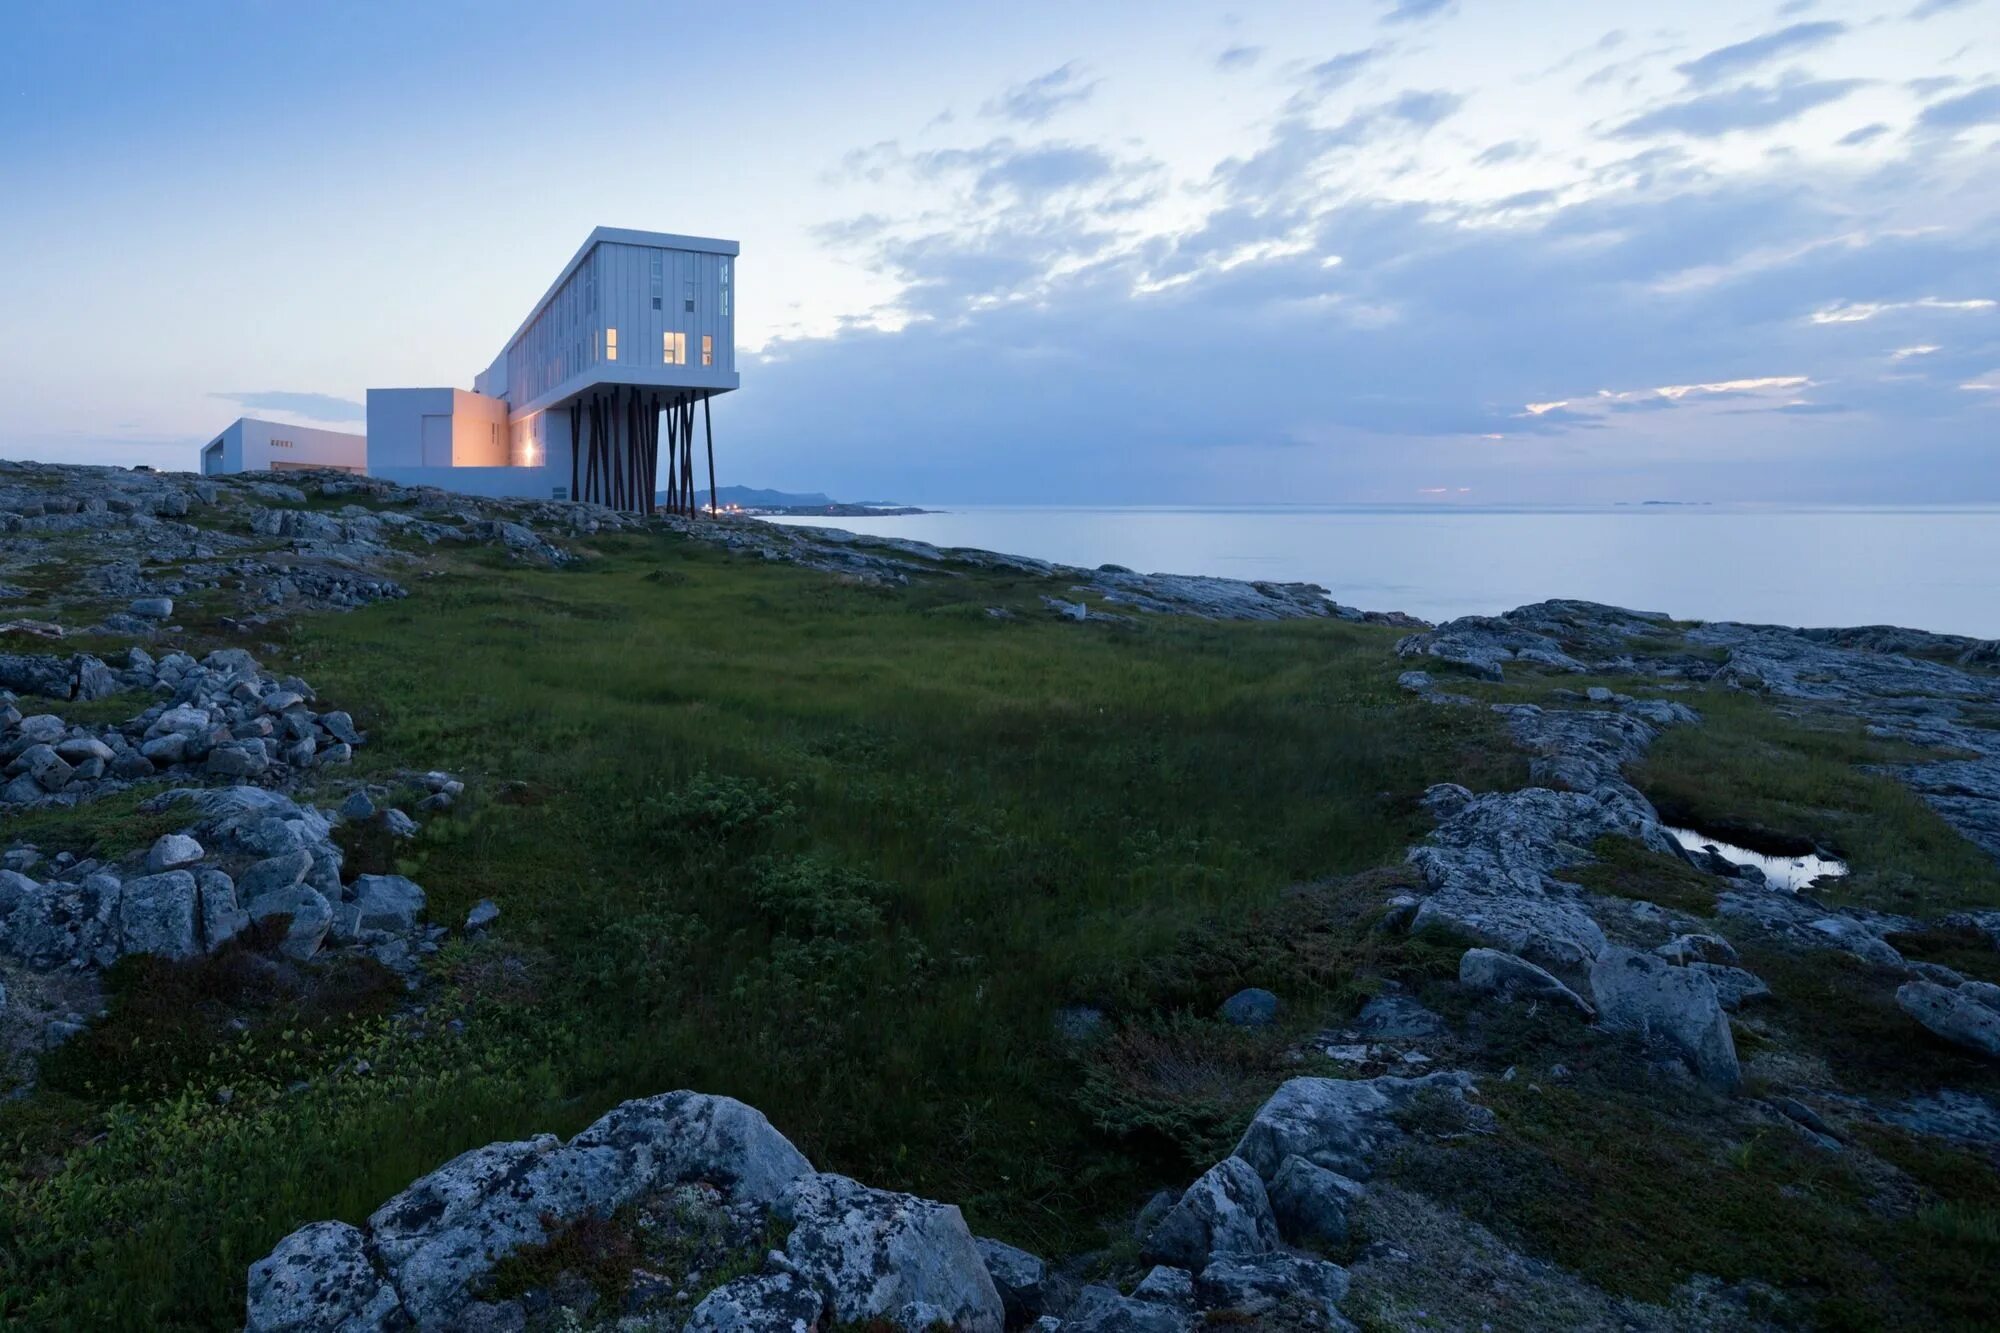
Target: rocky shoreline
{"x": 1301, "y": 1225}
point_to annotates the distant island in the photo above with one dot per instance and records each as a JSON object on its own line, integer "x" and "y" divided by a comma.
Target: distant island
{"x": 757, "y": 500}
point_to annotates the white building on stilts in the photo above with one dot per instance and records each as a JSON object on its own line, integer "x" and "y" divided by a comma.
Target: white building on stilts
{"x": 602, "y": 394}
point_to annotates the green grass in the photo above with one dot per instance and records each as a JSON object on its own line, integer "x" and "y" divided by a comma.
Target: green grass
{"x": 835, "y": 849}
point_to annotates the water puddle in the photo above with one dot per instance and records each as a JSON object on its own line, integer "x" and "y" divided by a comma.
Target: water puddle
{"x": 1790, "y": 873}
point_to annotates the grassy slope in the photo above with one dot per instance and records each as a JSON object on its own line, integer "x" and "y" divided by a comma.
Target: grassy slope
{"x": 837, "y": 850}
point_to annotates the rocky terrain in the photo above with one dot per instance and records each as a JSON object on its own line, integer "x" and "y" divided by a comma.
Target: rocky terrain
{"x": 1337, "y": 1205}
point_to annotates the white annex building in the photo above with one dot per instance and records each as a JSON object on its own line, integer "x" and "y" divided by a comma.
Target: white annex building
{"x": 619, "y": 357}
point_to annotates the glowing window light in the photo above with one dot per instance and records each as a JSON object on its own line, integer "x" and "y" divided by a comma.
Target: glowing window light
{"x": 611, "y": 344}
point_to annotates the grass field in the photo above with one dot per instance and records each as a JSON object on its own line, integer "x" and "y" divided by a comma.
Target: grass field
{"x": 839, "y": 850}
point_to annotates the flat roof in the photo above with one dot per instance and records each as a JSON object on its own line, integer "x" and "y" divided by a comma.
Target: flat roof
{"x": 665, "y": 240}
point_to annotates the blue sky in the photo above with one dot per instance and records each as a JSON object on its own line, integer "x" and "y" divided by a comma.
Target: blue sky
{"x": 1455, "y": 250}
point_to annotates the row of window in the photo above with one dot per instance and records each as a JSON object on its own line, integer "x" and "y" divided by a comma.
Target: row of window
{"x": 673, "y": 348}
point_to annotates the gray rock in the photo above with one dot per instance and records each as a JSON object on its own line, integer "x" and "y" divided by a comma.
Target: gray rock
{"x": 272, "y": 874}
{"x": 166, "y": 749}
{"x": 357, "y": 806}
{"x": 1734, "y": 986}
{"x": 1392, "y": 1017}
{"x": 876, "y": 1254}
{"x": 1686, "y": 949}
{"x": 152, "y": 608}
{"x": 1415, "y": 681}
{"x": 236, "y": 760}
{"x": 1957, "y": 1017}
{"x": 1262, "y": 1284}
{"x": 1102, "y": 1310}
{"x": 1491, "y": 972}
{"x": 1311, "y": 1203}
{"x": 173, "y": 851}
{"x": 483, "y": 914}
{"x": 319, "y": 1280}
{"x": 51, "y": 925}
{"x": 157, "y": 914}
{"x": 308, "y": 911}
{"x": 450, "y": 1227}
{"x": 387, "y": 902}
{"x": 1224, "y": 1212}
{"x": 1017, "y": 1276}
{"x": 399, "y": 824}
{"x": 1673, "y": 1006}
{"x": 679, "y": 1137}
{"x": 273, "y": 835}
{"x": 82, "y": 749}
{"x": 767, "y": 1303}
{"x": 1340, "y": 1124}
{"x": 1166, "y": 1285}
{"x": 222, "y": 917}
{"x": 341, "y": 727}
{"x": 1251, "y": 1008}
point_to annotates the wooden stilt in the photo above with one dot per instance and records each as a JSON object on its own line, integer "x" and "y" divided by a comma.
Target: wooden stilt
{"x": 575, "y": 444}
{"x": 708, "y": 430}
{"x": 687, "y": 459}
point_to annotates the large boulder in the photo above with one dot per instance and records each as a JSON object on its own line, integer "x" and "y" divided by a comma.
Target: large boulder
{"x": 387, "y": 902}
{"x": 1959, "y": 1016}
{"x": 319, "y": 1279}
{"x": 1491, "y": 972}
{"x": 453, "y": 1225}
{"x": 1258, "y": 1286}
{"x": 876, "y": 1254}
{"x": 1312, "y": 1203}
{"x": 57, "y": 924}
{"x": 172, "y": 851}
{"x": 1017, "y": 1276}
{"x": 1224, "y": 1212}
{"x": 1103, "y": 1310}
{"x": 158, "y": 914}
{"x": 307, "y": 911}
{"x": 1340, "y": 1124}
{"x": 1666, "y": 1005}
{"x": 678, "y": 1137}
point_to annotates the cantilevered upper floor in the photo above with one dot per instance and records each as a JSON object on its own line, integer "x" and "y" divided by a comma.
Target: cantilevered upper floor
{"x": 643, "y": 308}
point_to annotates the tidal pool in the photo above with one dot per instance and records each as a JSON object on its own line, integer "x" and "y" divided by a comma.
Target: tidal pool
{"x": 1790, "y": 873}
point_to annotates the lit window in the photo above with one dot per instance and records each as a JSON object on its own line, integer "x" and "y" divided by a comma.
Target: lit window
{"x": 674, "y": 348}
{"x": 725, "y": 289}
{"x": 611, "y": 344}
{"x": 707, "y": 350}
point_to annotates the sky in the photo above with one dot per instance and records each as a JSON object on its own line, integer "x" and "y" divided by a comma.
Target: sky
{"x": 1409, "y": 251}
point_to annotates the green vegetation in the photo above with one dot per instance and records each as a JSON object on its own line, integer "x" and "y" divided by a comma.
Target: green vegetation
{"x": 839, "y": 850}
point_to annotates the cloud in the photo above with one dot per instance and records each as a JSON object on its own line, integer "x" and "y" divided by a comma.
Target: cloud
{"x": 1336, "y": 72}
{"x": 1866, "y": 134}
{"x": 1981, "y": 106}
{"x": 1029, "y": 172}
{"x": 1043, "y": 96}
{"x": 1856, "y": 312}
{"x": 1921, "y": 349}
{"x": 1506, "y": 151}
{"x": 1729, "y": 61}
{"x": 1930, "y": 8}
{"x": 1239, "y": 57}
{"x": 311, "y": 406}
{"x": 1411, "y": 11}
{"x": 1751, "y": 107}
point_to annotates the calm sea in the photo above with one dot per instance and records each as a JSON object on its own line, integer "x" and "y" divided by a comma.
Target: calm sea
{"x": 1931, "y": 567}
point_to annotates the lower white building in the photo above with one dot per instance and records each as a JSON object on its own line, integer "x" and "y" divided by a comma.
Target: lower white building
{"x": 250, "y": 445}
{"x": 621, "y": 356}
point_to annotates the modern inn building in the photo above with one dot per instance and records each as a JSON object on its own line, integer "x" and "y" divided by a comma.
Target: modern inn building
{"x": 620, "y": 356}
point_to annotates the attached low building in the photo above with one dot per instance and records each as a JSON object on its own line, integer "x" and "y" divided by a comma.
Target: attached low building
{"x": 609, "y": 377}
{"x": 251, "y": 445}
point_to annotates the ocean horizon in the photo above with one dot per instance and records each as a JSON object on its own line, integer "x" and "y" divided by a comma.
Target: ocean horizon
{"x": 1934, "y": 567}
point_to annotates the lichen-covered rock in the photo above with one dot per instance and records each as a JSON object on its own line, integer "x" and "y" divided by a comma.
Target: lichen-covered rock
{"x": 1258, "y": 1285}
{"x": 1312, "y": 1203}
{"x": 172, "y": 851}
{"x": 58, "y": 924}
{"x": 1103, "y": 1310}
{"x": 1017, "y": 1276}
{"x": 1676, "y": 1006}
{"x": 319, "y": 1280}
{"x": 1224, "y": 1212}
{"x": 876, "y": 1254}
{"x": 450, "y": 1227}
{"x": 1339, "y": 1124}
{"x": 761, "y": 1303}
{"x": 158, "y": 914}
{"x": 1166, "y": 1285}
{"x": 1491, "y": 972}
{"x": 307, "y": 911}
{"x": 678, "y": 1137}
{"x": 387, "y": 902}
{"x": 1958, "y": 1015}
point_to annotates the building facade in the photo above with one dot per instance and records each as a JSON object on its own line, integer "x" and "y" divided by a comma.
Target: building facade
{"x": 251, "y": 445}
{"x": 609, "y": 377}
